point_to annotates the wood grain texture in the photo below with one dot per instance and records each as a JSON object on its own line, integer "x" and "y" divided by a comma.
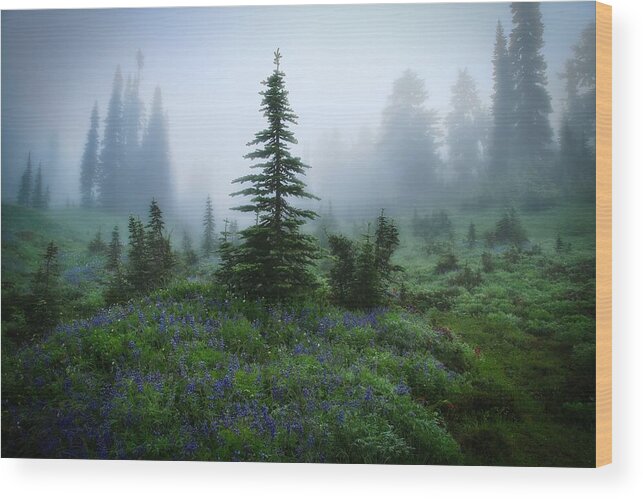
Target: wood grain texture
{"x": 603, "y": 234}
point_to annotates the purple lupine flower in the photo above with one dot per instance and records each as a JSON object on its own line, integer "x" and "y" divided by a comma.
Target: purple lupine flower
{"x": 402, "y": 388}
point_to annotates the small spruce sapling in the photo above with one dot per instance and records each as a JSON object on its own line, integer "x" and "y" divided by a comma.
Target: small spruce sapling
{"x": 208, "y": 245}
{"x": 45, "y": 300}
{"x": 97, "y": 246}
{"x": 114, "y": 251}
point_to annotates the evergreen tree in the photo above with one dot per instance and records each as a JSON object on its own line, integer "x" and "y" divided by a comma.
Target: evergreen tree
{"x": 559, "y": 244}
{"x": 49, "y": 269}
{"x": 360, "y": 271}
{"x": 342, "y": 271}
{"x": 24, "y": 194}
{"x": 133, "y": 176}
{"x": 532, "y": 104}
{"x": 38, "y": 196}
{"x": 509, "y": 229}
{"x": 465, "y": 130}
{"x": 387, "y": 240}
{"x": 44, "y": 299}
{"x": 227, "y": 255}
{"x": 97, "y": 246}
{"x": 274, "y": 257}
{"x": 111, "y": 155}
{"x": 158, "y": 249}
{"x": 502, "y": 109}
{"x": 114, "y": 251}
{"x": 208, "y": 244}
{"x": 47, "y": 198}
{"x": 133, "y": 116}
{"x": 410, "y": 140}
{"x": 89, "y": 164}
{"x": 578, "y": 123}
{"x": 368, "y": 285}
{"x": 137, "y": 272}
{"x": 155, "y": 156}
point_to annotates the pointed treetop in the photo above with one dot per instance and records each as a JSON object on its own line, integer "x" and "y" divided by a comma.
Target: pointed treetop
{"x": 277, "y": 58}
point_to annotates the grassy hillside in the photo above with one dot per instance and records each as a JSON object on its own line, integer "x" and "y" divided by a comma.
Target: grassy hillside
{"x": 188, "y": 374}
{"x": 490, "y": 365}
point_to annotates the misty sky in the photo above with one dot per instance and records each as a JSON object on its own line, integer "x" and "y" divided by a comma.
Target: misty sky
{"x": 340, "y": 62}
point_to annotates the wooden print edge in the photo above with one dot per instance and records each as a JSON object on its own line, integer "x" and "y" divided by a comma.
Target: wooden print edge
{"x": 603, "y": 234}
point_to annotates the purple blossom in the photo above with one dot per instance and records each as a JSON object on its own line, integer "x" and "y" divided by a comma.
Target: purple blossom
{"x": 402, "y": 388}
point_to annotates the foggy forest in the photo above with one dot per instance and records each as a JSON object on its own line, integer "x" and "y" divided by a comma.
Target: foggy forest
{"x": 347, "y": 234}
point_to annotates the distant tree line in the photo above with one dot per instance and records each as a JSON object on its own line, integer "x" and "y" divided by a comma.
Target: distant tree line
{"x": 504, "y": 154}
{"x": 131, "y": 164}
{"x": 32, "y": 192}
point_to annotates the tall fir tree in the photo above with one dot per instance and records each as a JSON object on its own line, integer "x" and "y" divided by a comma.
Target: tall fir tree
{"x": 133, "y": 116}
{"x": 38, "y": 194}
{"x": 133, "y": 176}
{"x": 502, "y": 109}
{"x": 274, "y": 257}
{"x": 577, "y": 134}
{"x": 465, "y": 130}
{"x": 24, "y": 194}
{"x": 532, "y": 102}
{"x": 111, "y": 155}
{"x": 89, "y": 163}
{"x": 155, "y": 156}
{"x": 208, "y": 245}
{"x": 410, "y": 140}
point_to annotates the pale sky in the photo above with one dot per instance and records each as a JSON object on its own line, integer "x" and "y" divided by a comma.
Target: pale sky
{"x": 340, "y": 62}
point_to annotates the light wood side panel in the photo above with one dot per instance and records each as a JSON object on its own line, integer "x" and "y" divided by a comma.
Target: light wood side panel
{"x": 603, "y": 234}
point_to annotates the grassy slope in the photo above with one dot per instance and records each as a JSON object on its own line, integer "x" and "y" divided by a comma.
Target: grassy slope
{"x": 186, "y": 374}
{"x": 530, "y": 324}
{"x": 26, "y": 233}
{"x": 517, "y": 402}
